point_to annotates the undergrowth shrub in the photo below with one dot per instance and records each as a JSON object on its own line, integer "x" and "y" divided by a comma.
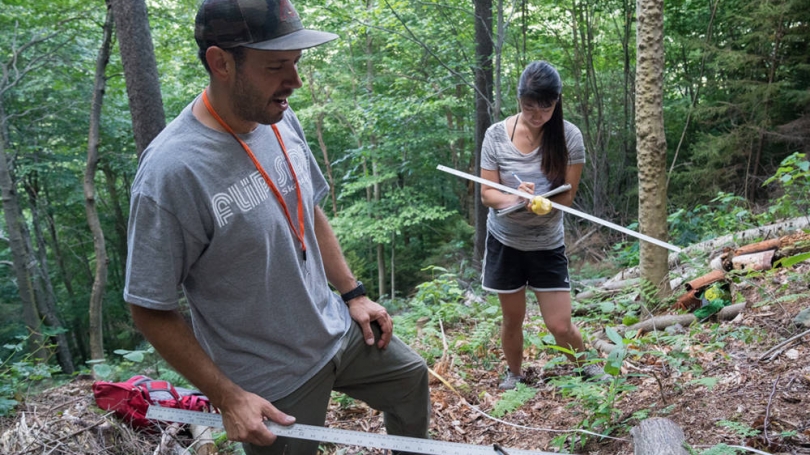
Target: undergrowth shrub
{"x": 20, "y": 371}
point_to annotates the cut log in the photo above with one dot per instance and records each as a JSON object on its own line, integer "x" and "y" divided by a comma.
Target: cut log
{"x": 603, "y": 345}
{"x": 762, "y": 260}
{"x": 601, "y": 293}
{"x": 730, "y": 312}
{"x": 758, "y": 247}
{"x": 707, "y": 279}
{"x": 662, "y": 322}
{"x": 203, "y": 441}
{"x": 658, "y": 436}
{"x": 688, "y": 301}
{"x": 730, "y": 240}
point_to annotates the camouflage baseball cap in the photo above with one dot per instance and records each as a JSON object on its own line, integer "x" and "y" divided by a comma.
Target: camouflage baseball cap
{"x": 271, "y": 25}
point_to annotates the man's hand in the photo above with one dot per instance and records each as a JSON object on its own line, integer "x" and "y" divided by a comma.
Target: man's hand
{"x": 365, "y": 311}
{"x": 243, "y": 416}
{"x": 541, "y": 205}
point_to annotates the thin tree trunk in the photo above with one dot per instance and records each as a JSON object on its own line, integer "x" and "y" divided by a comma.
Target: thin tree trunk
{"x": 773, "y": 65}
{"x": 20, "y": 253}
{"x": 652, "y": 145}
{"x": 120, "y": 222}
{"x": 100, "y": 278}
{"x": 699, "y": 83}
{"x": 321, "y": 142}
{"x": 43, "y": 288}
{"x": 377, "y": 190}
{"x": 393, "y": 250}
{"x": 483, "y": 116}
{"x": 140, "y": 70}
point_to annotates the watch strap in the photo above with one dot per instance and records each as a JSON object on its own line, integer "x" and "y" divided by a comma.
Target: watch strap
{"x": 354, "y": 293}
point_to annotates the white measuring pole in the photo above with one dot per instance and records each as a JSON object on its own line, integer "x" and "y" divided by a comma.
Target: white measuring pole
{"x": 338, "y": 436}
{"x": 561, "y": 207}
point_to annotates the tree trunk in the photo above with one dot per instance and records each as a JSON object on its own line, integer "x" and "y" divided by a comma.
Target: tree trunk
{"x": 658, "y": 436}
{"x": 100, "y": 278}
{"x": 140, "y": 70}
{"x": 380, "y": 248}
{"x": 483, "y": 116}
{"x": 652, "y": 145}
{"x": 43, "y": 287}
{"x": 20, "y": 252}
{"x": 120, "y": 223}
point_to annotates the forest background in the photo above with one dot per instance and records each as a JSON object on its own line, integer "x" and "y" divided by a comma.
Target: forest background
{"x": 381, "y": 107}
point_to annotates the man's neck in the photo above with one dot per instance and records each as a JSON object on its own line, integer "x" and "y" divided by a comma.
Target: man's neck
{"x": 222, "y": 108}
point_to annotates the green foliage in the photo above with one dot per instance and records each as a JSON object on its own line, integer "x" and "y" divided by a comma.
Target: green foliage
{"x": 793, "y": 179}
{"x": 599, "y": 399}
{"x": 739, "y": 428}
{"x": 343, "y": 401}
{"x": 20, "y": 372}
{"x": 792, "y": 260}
{"x": 720, "y": 449}
{"x": 708, "y": 382}
{"x": 513, "y": 399}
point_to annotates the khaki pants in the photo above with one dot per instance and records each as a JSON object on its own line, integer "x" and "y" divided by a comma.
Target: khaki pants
{"x": 393, "y": 381}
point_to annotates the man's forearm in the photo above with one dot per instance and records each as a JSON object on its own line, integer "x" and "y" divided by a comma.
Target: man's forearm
{"x": 174, "y": 340}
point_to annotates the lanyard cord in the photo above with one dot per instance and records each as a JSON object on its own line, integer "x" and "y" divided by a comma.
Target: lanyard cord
{"x": 299, "y": 233}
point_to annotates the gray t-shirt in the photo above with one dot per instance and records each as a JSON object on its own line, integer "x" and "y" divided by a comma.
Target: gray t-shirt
{"x": 203, "y": 219}
{"x": 522, "y": 229}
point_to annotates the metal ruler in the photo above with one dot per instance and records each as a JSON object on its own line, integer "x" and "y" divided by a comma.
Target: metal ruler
{"x": 338, "y": 436}
{"x": 560, "y": 207}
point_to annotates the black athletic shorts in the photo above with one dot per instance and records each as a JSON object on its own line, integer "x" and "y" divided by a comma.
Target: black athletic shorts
{"x": 507, "y": 269}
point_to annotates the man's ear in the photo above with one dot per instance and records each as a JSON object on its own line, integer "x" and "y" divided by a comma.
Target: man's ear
{"x": 221, "y": 62}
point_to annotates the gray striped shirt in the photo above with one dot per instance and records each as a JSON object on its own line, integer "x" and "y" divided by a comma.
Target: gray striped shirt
{"x": 524, "y": 230}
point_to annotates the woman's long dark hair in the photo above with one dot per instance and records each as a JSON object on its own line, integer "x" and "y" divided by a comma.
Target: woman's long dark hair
{"x": 541, "y": 83}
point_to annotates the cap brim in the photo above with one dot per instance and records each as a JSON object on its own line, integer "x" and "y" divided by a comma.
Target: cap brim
{"x": 301, "y": 39}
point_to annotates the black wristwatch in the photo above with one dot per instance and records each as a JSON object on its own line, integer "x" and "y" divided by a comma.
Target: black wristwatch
{"x": 354, "y": 293}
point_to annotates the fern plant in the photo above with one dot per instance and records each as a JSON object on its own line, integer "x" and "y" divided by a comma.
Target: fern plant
{"x": 513, "y": 399}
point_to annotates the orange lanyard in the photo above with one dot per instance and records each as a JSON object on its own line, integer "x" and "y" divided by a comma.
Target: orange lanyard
{"x": 299, "y": 233}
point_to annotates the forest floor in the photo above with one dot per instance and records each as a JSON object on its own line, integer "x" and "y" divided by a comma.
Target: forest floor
{"x": 729, "y": 395}
{"x": 744, "y": 394}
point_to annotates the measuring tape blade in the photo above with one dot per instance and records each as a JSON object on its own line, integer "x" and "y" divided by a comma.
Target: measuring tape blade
{"x": 338, "y": 436}
{"x": 561, "y": 207}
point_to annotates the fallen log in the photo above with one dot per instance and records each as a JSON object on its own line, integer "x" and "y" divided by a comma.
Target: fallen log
{"x": 762, "y": 260}
{"x": 658, "y": 436}
{"x": 729, "y": 240}
{"x": 662, "y": 322}
{"x": 758, "y": 247}
{"x": 707, "y": 279}
{"x": 730, "y": 312}
{"x": 602, "y": 344}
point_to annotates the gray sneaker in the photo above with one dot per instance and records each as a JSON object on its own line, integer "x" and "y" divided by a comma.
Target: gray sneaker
{"x": 596, "y": 373}
{"x": 510, "y": 381}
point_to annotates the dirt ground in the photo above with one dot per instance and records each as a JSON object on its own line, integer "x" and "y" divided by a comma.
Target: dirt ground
{"x": 770, "y": 394}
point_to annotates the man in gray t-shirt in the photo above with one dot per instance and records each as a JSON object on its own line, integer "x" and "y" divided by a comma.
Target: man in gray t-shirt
{"x": 225, "y": 208}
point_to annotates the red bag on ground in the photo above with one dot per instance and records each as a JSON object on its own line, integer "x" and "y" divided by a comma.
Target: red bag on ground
{"x": 131, "y": 399}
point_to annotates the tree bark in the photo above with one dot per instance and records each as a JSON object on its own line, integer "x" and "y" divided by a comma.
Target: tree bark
{"x": 380, "y": 248}
{"x": 483, "y": 116}
{"x": 652, "y": 145}
{"x": 110, "y": 178}
{"x": 20, "y": 253}
{"x": 42, "y": 285}
{"x": 100, "y": 278}
{"x": 658, "y": 436}
{"x": 140, "y": 70}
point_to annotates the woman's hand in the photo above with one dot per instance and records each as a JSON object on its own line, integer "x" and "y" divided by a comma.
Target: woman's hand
{"x": 540, "y": 205}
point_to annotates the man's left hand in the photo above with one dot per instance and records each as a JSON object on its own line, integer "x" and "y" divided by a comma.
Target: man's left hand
{"x": 365, "y": 311}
